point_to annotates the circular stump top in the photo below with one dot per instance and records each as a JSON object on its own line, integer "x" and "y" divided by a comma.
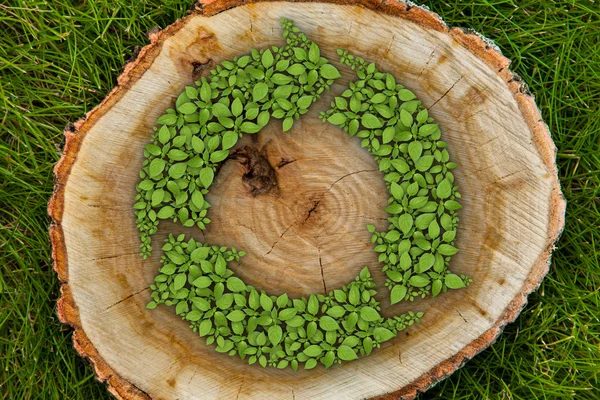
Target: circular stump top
{"x": 309, "y": 234}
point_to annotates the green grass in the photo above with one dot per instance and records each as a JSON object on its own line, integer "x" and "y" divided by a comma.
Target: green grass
{"x": 57, "y": 61}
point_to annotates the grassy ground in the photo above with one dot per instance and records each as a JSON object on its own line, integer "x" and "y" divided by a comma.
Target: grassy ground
{"x": 58, "y": 59}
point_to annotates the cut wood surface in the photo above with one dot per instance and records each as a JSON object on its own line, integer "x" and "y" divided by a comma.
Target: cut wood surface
{"x": 306, "y": 232}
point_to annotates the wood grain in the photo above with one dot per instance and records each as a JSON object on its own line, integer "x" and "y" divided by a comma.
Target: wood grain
{"x": 307, "y": 235}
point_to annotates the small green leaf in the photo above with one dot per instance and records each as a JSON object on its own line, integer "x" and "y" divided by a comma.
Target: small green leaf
{"x": 369, "y": 314}
{"x": 165, "y": 212}
{"x": 454, "y": 281}
{"x": 382, "y": 334}
{"x": 415, "y": 149}
{"x": 206, "y": 176}
{"x": 275, "y": 334}
{"x": 328, "y": 71}
{"x": 314, "y": 53}
{"x": 370, "y": 121}
{"x": 447, "y": 250}
{"x": 236, "y": 316}
{"x": 444, "y": 189}
{"x": 397, "y": 294}
{"x": 267, "y": 59}
{"x": 235, "y": 284}
{"x": 260, "y": 91}
{"x": 197, "y": 199}
{"x": 313, "y": 351}
{"x": 328, "y": 324}
{"x": 265, "y": 302}
{"x": 419, "y": 281}
{"x": 346, "y": 353}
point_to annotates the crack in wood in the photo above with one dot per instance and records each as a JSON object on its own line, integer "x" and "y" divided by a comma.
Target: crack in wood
{"x": 446, "y": 93}
{"x": 322, "y": 275}
{"x": 428, "y": 61}
{"x": 115, "y": 256}
{"x": 464, "y": 319}
{"x": 126, "y": 298}
{"x": 279, "y": 238}
{"x": 285, "y": 162}
{"x": 347, "y": 175}
{"x": 313, "y": 209}
{"x": 240, "y": 389}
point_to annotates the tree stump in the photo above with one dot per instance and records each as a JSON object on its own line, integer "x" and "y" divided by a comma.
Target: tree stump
{"x": 305, "y": 233}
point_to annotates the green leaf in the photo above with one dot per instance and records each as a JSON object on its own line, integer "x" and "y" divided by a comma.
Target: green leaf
{"x": 396, "y": 191}
{"x": 428, "y": 129}
{"x": 397, "y": 294}
{"x": 452, "y": 205}
{"x": 328, "y": 71}
{"x": 313, "y": 351}
{"x": 275, "y": 334}
{"x": 205, "y": 92}
{"x": 203, "y": 281}
{"x": 281, "y": 79}
{"x": 287, "y": 124}
{"x": 346, "y": 353}
{"x": 157, "y": 197}
{"x": 336, "y": 311}
{"x": 235, "y": 284}
{"x": 236, "y": 316}
{"x": 267, "y": 59}
{"x": 157, "y": 166}
{"x": 444, "y": 189}
{"x": 287, "y": 313}
{"x": 225, "y": 301}
{"x": 193, "y": 315}
{"x": 417, "y": 202}
{"x": 424, "y": 163}
{"x": 426, "y": 262}
{"x": 296, "y": 69}
{"x": 313, "y": 305}
{"x": 370, "y": 121}
{"x": 205, "y": 327}
{"x": 197, "y": 199}
{"x": 454, "y": 281}
{"x": 388, "y": 134}
{"x": 179, "y": 281}
{"x": 328, "y": 324}
{"x": 369, "y": 314}
{"x": 260, "y": 91}
{"x": 314, "y": 54}
{"x": 310, "y": 363}
{"x": 405, "y": 223}
{"x": 415, "y": 149}
{"x": 337, "y": 119}
{"x": 392, "y": 236}
{"x": 419, "y": 280}
{"x": 165, "y": 212}
{"x": 400, "y": 166}
{"x": 382, "y": 334}
{"x": 167, "y": 119}
{"x": 304, "y": 102}
{"x": 406, "y": 95}
{"x": 229, "y": 140}
{"x": 206, "y": 176}
{"x": 199, "y": 254}
{"x": 436, "y": 287}
{"x": 406, "y": 118}
{"x": 447, "y": 250}
{"x": 265, "y": 302}
{"x": 249, "y": 127}
{"x": 220, "y": 110}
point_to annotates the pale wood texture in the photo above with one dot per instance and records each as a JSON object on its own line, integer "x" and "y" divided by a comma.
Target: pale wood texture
{"x": 308, "y": 233}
